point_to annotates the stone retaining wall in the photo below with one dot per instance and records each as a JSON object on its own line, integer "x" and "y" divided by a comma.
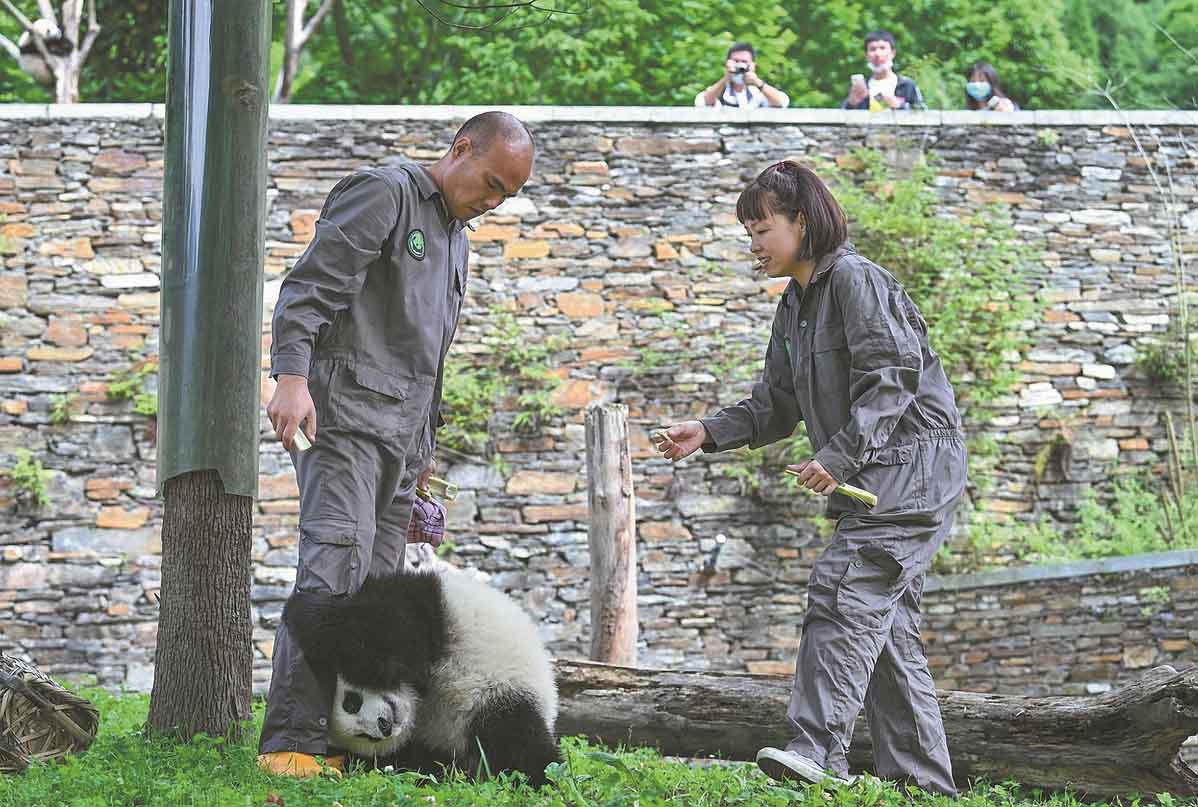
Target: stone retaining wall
{"x": 625, "y": 245}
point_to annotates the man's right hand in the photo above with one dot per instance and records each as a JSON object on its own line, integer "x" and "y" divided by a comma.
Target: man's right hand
{"x": 857, "y": 92}
{"x": 682, "y": 439}
{"x": 290, "y": 406}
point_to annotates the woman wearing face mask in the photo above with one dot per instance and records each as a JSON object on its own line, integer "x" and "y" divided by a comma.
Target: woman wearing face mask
{"x": 984, "y": 91}
{"x": 849, "y": 356}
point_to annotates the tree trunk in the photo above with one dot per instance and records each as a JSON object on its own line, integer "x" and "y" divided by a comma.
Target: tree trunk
{"x": 341, "y": 23}
{"x": 293, "y": 32}
{"x": 612, "y": 535}
{"x": 1122, "y": 742}
{"x": 204, "y": 662}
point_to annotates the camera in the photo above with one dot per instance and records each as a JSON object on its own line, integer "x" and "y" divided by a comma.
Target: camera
{"x": 740, "y": 67}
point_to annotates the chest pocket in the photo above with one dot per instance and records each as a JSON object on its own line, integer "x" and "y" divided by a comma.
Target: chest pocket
{"x": 829, "y": 338}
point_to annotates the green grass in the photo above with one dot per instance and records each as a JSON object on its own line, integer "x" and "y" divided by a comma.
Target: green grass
{"x": 123, "y": 768}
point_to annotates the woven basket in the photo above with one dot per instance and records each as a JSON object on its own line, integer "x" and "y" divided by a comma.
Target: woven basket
{"x": 39, "y": 720}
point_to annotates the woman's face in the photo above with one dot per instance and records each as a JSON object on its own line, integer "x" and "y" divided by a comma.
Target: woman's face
{"x": 774, "y": 242}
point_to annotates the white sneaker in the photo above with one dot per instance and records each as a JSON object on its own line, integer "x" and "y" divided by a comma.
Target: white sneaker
{"x": 782, "y": 765}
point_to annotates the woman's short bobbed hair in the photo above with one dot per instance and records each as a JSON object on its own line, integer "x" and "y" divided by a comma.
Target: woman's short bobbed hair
{"x": 790, "y": 189}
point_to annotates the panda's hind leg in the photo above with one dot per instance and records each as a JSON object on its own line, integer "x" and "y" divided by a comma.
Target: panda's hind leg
{"x": 510, "y": 732}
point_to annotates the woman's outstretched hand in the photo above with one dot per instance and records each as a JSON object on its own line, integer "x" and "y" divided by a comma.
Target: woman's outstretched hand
{"x": 680, "y": 440}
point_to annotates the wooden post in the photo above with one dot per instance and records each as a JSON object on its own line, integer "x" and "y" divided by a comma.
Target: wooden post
{"x": 612, "y": 535}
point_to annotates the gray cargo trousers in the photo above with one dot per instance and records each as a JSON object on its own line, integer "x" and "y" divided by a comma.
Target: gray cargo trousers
{"x": 860, "y": 644}
{"x": 356, "y": 496}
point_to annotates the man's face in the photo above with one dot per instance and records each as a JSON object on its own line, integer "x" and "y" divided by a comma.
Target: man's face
{"x": 476, "y": 183}
{"x": 879, "y": 52}
{"x": 741, "y": 58}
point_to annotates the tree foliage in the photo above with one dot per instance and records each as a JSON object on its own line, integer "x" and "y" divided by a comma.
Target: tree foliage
{"x": 1049, "y": 53}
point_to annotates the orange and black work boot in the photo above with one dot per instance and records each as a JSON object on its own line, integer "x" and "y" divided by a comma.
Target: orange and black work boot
{"x": 300, "y": 765}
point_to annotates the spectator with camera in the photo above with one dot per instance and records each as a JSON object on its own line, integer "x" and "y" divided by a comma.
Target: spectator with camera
{"x": 740, "y": 85}
{"x": 884, "y": 89}
{"x": 983, "y": 90}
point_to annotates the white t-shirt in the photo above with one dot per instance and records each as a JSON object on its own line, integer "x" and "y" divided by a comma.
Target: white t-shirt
{"x": 885, "y": 86}
{"x": 748, "y": 97}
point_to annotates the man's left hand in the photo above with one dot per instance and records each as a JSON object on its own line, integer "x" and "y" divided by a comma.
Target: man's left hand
{"x": 894, "y": 101}
{"x": 812, "y": 475}
{"x": 752, "y": 79}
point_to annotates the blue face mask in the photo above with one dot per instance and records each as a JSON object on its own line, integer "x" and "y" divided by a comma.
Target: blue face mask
{"x": 978, "y": 90}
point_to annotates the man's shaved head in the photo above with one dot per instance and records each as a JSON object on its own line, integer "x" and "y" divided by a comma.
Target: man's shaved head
{"x": 489, "y": 161}
{"x": 484, "y": 129}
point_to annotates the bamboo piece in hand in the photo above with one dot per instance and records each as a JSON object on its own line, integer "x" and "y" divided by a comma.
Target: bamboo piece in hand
{"x": 848, "y": 490}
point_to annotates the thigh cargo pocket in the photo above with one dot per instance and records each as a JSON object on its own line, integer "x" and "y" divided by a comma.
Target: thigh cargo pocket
{"x": 869, "y": 588}
{"x": 328, "y": 556}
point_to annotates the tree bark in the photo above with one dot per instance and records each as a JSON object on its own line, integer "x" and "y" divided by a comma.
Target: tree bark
{"x": 1115, "y": 744}
{"x": 204, "y": 661}
{"x": 612, "y": 535}
{"x": 341, "y": 25}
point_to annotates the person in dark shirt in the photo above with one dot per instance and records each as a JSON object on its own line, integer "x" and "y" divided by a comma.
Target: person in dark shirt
{"x": 849, "y": 355}
{"x": 359, "y": 337}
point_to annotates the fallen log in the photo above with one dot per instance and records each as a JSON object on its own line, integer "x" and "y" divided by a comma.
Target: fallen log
{"x": 1119, "y": 743}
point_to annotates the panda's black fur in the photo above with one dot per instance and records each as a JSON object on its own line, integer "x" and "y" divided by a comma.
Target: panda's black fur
{"x": 486, "y": 696}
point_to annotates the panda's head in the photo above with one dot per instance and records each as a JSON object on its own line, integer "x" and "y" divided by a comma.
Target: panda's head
{"x": 371, "y": 722}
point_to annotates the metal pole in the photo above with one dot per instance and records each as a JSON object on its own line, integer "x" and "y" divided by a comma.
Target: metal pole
{"x": 213, "y": 221}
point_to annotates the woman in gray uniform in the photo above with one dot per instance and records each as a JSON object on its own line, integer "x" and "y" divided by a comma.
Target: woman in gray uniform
{"x": 849, "y": 355}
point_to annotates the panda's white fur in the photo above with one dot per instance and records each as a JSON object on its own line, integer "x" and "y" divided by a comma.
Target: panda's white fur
{"x": 448, "y": 662}
{"x": 30, "y": 56}
{"x": 476, "y": 664}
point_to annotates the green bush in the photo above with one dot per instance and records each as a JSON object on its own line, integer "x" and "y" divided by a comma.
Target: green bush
{"x": 967, "y": 275}
{"x": 130, "y": 384}
{"x": 29, "y": 478}
{"x": 1135, "y": 522}
{"x": 514, "y": 371}
{"x": 60, "y": 408}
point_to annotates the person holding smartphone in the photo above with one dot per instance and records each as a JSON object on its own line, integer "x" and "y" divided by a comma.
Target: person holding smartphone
{"x": 740, "y": 85}
{"x": 883, "y": 88}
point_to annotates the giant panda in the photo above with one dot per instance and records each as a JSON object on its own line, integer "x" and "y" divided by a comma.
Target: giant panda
{"x": 434, "y": 669}
{"x": 31, "y": 59}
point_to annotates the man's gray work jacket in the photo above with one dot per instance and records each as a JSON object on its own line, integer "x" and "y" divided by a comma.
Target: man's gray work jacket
{"x": 376, "y": 297}
{"x": 848, "y": 355}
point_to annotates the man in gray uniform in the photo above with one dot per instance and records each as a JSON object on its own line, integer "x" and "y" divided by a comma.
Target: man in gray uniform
{"x": 361, "y": 329}
{"x": 849, "y": 355}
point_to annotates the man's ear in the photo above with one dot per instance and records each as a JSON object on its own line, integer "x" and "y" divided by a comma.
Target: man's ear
{"x": 463, "y": 147}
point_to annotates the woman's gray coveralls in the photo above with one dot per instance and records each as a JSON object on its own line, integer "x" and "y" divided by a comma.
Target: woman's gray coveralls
{"x": 367, "y": 315}
{"x": 849, "y": 356}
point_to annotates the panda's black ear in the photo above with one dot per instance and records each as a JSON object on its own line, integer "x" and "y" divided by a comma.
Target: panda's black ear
{"x": 324, "y": 626}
